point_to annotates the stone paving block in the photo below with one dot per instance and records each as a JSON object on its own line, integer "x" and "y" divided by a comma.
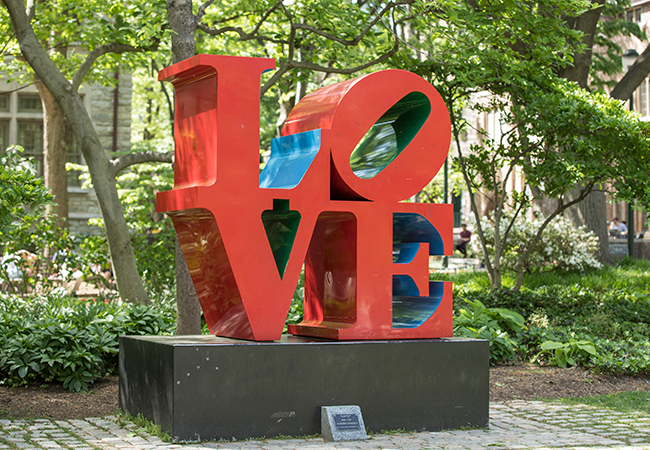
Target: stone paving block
{"x": 513, "y": 426}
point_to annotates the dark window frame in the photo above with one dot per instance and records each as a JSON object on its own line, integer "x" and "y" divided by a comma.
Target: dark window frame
{"x": 37, "y": 153}
{"x": 4, "y": 135}
{"x": 33, "y": 99}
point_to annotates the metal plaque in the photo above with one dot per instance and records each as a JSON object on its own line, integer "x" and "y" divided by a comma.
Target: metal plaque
{"x": 346, "y": 422}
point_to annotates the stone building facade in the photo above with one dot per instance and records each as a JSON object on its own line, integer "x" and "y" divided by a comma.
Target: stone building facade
{"x": 639, "y": 12}
{"x": 21, "y": 122}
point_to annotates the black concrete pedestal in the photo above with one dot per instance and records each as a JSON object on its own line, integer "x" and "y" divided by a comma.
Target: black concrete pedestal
{"x": 205, "y": 388}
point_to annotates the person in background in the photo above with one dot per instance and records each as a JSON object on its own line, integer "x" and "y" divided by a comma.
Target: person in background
{"x": 613, "y": 227}
{"x": 465, "y": 237}
{"x": 622, "y": 229}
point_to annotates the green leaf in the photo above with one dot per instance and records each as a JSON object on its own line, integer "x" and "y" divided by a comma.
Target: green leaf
{"x": 551, "y": 345}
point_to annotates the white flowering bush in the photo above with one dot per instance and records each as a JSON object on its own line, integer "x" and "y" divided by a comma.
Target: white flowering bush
{"x": 562, "y": 246}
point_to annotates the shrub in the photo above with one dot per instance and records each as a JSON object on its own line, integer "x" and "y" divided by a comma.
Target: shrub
{"x": 493, "y": 324}
{"x": 72, "y": 341}
{"x": 562, "y": 353}
{"x": 562, "y": 246}
{"x": 608, "y": 308}
{"x": 29, "y": 238}
{"x": 621, "y": 356}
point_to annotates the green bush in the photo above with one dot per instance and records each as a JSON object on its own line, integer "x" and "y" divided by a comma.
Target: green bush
{"x": 627, "y": 356}
{"x": 72, "y": 341}
{"x": 562, "y": 246}
{"x": 605, "y": 311}
{"x": 28, "y": 236}
{"x": 23, "y": 196}
{"x": 492, "y": 324}
{"x": 564, "y": 353}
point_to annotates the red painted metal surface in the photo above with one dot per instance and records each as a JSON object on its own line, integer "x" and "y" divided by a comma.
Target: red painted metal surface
{"x": 245, "y": 245}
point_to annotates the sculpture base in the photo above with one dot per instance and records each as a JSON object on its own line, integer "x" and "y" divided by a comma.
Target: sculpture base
{"x": 209, "y": 388}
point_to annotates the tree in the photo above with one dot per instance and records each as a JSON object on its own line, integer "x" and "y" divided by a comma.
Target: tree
{"x": 57, "y": 137}
{"x": 588, "y": 68}
{"x": 134, "y": 27}
{"x": 188, "y": 310}
{"x": 556, "y": 135}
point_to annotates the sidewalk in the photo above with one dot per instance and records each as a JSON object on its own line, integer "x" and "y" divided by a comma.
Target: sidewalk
{"x": 513, "y": 425}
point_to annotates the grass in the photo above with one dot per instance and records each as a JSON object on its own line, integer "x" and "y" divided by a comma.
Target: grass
{"x": 144, "y": 424}
{"x": 627, "y": 274}
{"x": 393, "y": 432}
{"x": 285, "y": 437}
{"x": 625, "y": 402}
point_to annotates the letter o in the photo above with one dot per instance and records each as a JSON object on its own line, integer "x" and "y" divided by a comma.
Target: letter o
{"x": 379, "y": 107}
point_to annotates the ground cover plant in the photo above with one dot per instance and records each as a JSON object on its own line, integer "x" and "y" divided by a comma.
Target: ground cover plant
{"x": 73, "y": 341}
{"x": 625, "y": 402}
{"x": 598, "y": 319}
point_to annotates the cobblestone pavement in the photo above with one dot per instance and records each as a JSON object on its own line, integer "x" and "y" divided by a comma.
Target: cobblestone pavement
{"x": 513, "y": 425}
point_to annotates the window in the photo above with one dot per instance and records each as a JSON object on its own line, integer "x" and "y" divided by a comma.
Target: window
{"x": 73, "y": 155}
{"x": 642, "y": 92}
{"x": 4, "y": 101}
{"x": 495, "y": 125}
{"x": 633, "y": 15}
{"x": 4, "y": 136}
{"x": 30, "y": 137}
{"x": 29, "y": 103}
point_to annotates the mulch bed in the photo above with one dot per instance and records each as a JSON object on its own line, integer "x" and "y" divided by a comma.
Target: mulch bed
{"x": 524, "y": 382}
{"x": 530, "y": 382}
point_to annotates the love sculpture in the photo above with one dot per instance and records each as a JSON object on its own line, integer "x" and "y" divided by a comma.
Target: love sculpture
{"x": 329, "y": 198}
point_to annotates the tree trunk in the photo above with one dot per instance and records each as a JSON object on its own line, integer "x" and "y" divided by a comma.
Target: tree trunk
{"x": 587, "y": 23}
{"x": 633, "y": 77}
{"x": 592, "y": 213}
{"x": 102, "y": 173}
{"x": 129, "y": 283}
{"x": 188, "y": 309}
{"x": 54, "y": 153}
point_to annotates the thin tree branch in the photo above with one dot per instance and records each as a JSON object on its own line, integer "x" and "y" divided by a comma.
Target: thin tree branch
{"x": 511, "y": 225}
{"x": 291, "y": 42}
{"x": 243, "y": 35}
{"x": 19, "y": 88}
{"x": 170, "y": 103}
{"x": 114, "y": 47}
{"x": 356, "y": 40}
{"x": 540, "y": 231}
{"x": 311, "y": 66}
{"x": 201, "y": 12}
{"x": 284, "y": 68}
{"x": 121, "y": 163}
{"x": 470, "y": 187}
